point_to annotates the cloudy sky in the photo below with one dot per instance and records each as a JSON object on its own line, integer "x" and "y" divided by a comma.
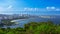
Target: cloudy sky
{"x": 36, "y": 7}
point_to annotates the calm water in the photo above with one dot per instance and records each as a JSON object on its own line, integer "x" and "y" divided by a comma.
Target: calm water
{"x": 21, "y": 22}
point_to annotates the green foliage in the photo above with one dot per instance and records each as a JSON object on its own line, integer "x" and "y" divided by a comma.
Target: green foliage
{"x": 33, "y": 28}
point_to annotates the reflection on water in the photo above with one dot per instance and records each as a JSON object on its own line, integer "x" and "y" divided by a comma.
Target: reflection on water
{"x": 21, "y": 22}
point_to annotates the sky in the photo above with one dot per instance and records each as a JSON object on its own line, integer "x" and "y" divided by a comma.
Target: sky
{"x": 34, "y": 7}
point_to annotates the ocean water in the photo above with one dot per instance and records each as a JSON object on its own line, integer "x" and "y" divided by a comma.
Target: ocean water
{"x": 21, "y": 22}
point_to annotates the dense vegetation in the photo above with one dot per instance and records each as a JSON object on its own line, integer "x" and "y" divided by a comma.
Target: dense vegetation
{"x": 33, "y": 28}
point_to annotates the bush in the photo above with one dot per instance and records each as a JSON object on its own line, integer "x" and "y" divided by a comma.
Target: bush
{"x": 34, "y": 28}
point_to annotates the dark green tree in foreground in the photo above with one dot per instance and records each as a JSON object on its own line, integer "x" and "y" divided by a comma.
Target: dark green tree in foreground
{"x": 33, "y": 28}
{"x": 42, "y": 28}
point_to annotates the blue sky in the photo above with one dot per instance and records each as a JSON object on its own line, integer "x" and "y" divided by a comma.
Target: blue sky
{"x": 36, "y": 7}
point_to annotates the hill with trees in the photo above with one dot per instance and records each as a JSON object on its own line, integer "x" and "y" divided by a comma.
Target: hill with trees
{"x": 34, "y": 28}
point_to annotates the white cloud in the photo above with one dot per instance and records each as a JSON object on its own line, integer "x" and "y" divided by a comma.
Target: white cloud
{"x": 39, "y": 9}
{"x": 6, "y": 5}
{"x": 57, "y": 9}
{"x": 31, "y": 9}
{"x": 42, "y": 9}
{"x": 9, "y": 7}
{"x": 47, "y": 8}
{"x": 51, "y": 8}
{"x": 3, "y": 9}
